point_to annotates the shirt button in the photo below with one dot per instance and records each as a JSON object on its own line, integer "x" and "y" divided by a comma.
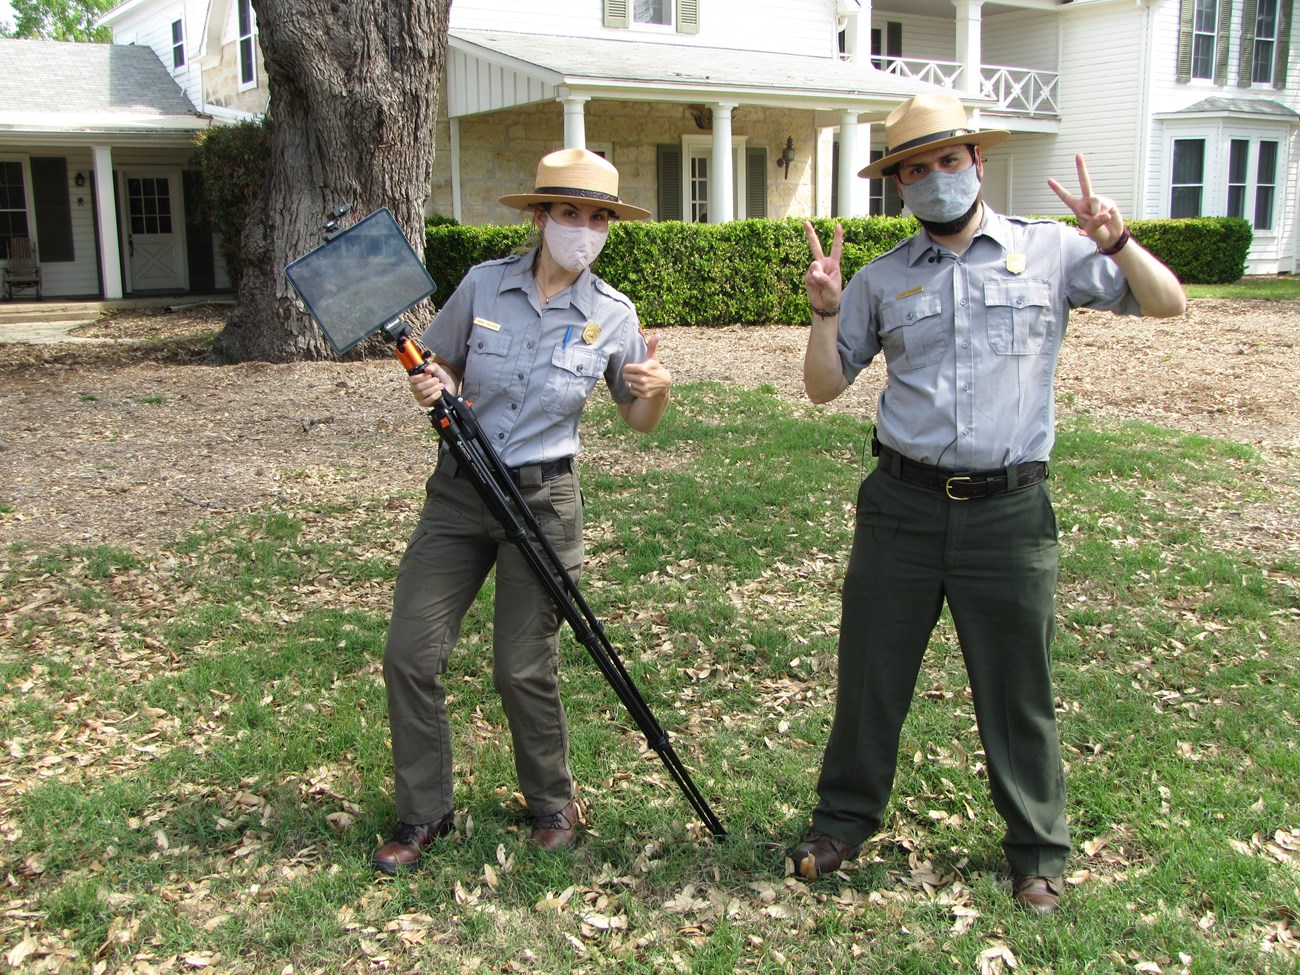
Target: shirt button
{"x": 1020, "y": 301}
{"x": 910, "y": 316}
{"x": 519, "y": 375}
{"x": 963, "y": 302}
{"x": 965, "y": 433}
{"x": 961, "y": 261}
{"x": 530, "y": 345}
{"x": 514, "y": 406}
{"x": 965, "y": 345}
{"x": 966, "y": 387}
{"x": 501, "y": 436}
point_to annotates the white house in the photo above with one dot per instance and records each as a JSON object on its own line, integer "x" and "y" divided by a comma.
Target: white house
{"x": 722, "y": 109}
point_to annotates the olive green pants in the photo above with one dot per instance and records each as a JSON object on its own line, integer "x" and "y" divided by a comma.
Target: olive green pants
{"x": 995, "y": 562}
{"x": 454, "y": 546}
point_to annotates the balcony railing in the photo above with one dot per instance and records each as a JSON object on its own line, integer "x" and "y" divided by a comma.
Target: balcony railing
{"x": 1013, "y": 89}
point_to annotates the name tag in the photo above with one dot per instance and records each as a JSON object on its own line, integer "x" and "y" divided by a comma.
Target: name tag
{"x": 907, "y": 294}
{"x": 486, "y": 324}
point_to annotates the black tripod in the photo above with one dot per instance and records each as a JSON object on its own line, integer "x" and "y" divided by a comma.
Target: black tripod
{"x": 454, "y": 420}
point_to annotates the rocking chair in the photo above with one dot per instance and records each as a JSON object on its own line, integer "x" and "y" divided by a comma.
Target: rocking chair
{"x": 22, "y": 272}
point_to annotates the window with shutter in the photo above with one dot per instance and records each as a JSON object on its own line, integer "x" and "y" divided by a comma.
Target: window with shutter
{"x": 669, "y": 160}
{"x": 50, "y": 201}
{"x": 1246, "y": 63}
{"x": 616, "y": 13}
{"x": 756, "y": 183}
{"x": 1186, "y": 14}
{"x": 688, "y": 16}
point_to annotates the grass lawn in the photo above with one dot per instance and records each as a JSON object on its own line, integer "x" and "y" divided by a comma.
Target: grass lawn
{"x": 197, "y": 762}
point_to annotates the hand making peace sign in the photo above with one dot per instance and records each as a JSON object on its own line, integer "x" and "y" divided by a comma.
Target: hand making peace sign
{"x": 823, "y": 281}
{"x": 1099, "y": 216}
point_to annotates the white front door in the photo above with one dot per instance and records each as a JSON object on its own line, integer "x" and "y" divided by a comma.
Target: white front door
{"x": 155, "y": 238}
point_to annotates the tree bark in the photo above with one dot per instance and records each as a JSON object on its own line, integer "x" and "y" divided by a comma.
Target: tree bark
{"x": 353, "y": 103}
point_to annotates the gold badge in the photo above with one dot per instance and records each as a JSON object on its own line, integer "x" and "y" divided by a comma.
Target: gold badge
{"x": 907, "y": 294}
{"x": 486, "y": 324}
{"x": 1015, "y": 263}
{"x": 590, "y": 333}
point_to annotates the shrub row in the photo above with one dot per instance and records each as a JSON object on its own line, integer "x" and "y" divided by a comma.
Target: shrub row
{"x": 751, "y": 271}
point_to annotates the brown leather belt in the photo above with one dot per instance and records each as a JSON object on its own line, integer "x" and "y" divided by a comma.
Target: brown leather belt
{"x": 961, "y": 485}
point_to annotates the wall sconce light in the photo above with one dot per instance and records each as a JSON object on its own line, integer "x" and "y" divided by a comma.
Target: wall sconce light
{"x": 787, "y": 156}
{"x": 79, "y": 179}
{"x": 703, "y": 116}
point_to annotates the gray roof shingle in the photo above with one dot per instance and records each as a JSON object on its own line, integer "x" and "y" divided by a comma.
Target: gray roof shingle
{"x": 60, "y": 77}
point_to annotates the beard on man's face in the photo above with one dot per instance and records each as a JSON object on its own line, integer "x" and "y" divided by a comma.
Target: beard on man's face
{"x": 950, "y": 227}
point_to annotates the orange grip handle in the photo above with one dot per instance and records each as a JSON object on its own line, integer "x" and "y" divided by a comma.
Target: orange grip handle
{"x": 409, "y": 354}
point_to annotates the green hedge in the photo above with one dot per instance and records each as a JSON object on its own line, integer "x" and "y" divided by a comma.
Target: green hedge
{"x": 751, "y": 271}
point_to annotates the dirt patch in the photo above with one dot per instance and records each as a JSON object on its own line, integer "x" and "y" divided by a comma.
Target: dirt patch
{"x": 133, "y": 439}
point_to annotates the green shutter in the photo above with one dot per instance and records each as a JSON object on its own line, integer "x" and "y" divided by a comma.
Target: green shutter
{"x": 53, "y": 208}
{"x": 669, "y": 158}
{"x": 688, "y": 16}
{"x": 616, "y": 13}
{"x": 1221, "y": 43}
{"x": 1283, "y": 45}
{"x": 1246, "y": 67}
{"x": 756, "y": 183}
{"x": 1185, "y": 14}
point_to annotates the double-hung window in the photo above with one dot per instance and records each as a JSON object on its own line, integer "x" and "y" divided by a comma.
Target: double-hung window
{"x": 1265, "y": 185}
{"x": 178, "y": 45}
{"x": 1188, "y": 184}
{"x": 1265, "y": 41}
{"x": 1204, "y": 32}
{"x": 13, "y": 204}
{"x": 247, "y": 46}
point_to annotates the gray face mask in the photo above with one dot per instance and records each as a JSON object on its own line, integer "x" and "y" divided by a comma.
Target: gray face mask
{"x": 943, "y": 197}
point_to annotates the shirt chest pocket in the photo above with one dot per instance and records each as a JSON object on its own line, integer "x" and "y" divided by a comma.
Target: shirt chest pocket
{"x": 487, "y": 365}
{"x": 912, "y": 331}
{"x": 1019, "y": 314}
{"x": 571, "y": 378}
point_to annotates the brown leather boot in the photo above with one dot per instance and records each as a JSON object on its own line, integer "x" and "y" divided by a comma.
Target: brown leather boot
{"x": 407, "y": 846}
{"x": 820, "y": 853}
{"x": 557, "y": 830}
{"x": 1041, "y": 894}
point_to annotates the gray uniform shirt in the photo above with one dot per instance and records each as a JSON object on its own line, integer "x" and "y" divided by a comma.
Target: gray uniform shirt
{"x": 529, "y": 370}
{"x": 971, "y": 341}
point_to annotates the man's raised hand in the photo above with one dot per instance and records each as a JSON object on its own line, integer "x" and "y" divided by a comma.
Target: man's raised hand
{"x": 823, "y": 281}
{"x": 1098, "y": 216}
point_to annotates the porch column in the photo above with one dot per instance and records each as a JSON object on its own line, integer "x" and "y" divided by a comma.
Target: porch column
{"x": 454, "y": 149}
{"x": 857, "y": 34}
{"x": 855, "y": 153}
{"x": 575, "y": 122}
{"x": 722, "y": 175}
{"x": 110, "y": 255}
{"x": 968, "y": 44}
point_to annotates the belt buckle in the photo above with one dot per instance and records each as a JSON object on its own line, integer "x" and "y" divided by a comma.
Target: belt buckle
{"x": 947, "y": 487}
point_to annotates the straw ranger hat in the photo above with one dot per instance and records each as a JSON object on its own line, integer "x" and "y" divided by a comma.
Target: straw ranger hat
{"x": 927, "y": 121}
{"x": 576, "y": 176}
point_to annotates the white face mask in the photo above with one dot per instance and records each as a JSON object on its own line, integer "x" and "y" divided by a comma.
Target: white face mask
{"x": 573, "y": 248}
{"x": 942, "y": 197}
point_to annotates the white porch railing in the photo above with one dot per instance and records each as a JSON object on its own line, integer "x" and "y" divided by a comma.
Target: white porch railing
{"x": 1013, "y": 89}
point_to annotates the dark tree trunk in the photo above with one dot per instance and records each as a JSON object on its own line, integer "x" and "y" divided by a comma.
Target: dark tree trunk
{"x": 354, "y": 99}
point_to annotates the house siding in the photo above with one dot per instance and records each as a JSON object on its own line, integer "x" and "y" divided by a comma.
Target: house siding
{"x": 781, "y": 26}
{"x": 1272, "y": 251}
{"x": 1100, "y": 117}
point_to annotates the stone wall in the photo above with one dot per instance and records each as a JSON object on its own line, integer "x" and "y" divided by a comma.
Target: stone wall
{"x": 499, "y": 153}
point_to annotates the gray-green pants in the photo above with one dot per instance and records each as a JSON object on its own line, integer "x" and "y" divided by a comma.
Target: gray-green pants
{"x": 995, "y": 561}
{"x": 454, "y": 546}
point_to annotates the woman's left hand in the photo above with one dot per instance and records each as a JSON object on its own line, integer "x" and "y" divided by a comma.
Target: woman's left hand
{"x": 648, "y": 379}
